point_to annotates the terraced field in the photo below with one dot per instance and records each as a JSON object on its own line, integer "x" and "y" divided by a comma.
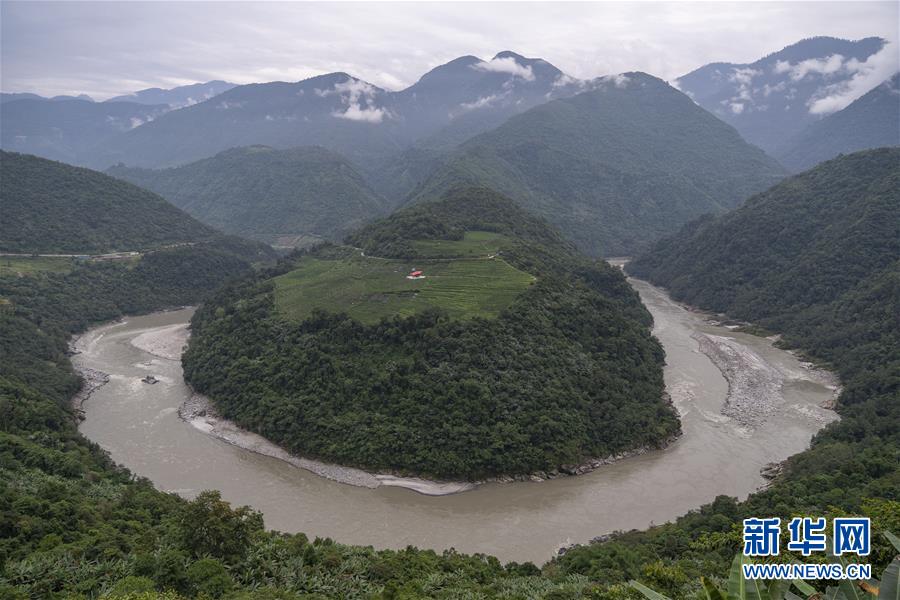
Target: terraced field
{"x": 474, "y": 244}
{"x": 369, "y": 289}
{"x": 26, "y": 265}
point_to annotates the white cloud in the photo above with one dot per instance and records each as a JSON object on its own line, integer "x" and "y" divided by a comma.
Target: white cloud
{"x": 743, "y": 76}
{"x": 226, "y": 105}
{"x": 823, "y": 66}
{"x": 359, "y": 99}
{"x": 565, "y": 81}
{"x": 482, "y": 102}
{"x": 355, "y": 112}
{"x": 767, "y": 89}
{"x": 621, "y": 80}
{"x": 865, "y": 76}
{"x": 508, "y": 65}
{"x": 743, "y": 97}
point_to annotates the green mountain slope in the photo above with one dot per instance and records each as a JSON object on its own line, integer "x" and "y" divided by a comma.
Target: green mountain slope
{"x": 51, "y": 207}
{"x": 416, "y": 375}
{"x": 804, "y": 243}
{"x": 264, "y": 193}
{"x": 614, "y": 168}
{"x": 872, "y": 121}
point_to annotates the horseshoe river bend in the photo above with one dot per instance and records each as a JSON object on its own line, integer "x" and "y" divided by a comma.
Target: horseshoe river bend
{"x": 744, "y": 404}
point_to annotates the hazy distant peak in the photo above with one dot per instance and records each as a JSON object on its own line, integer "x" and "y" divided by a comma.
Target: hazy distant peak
{"x": 64, "y": 98}
{"x": 816, "y": 47}
{"x": 510, "y": 54}
{"x": 775, "y": 97}
{"x": 177, "y": 97}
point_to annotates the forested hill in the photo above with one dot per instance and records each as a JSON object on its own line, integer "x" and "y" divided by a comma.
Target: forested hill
{"x": 51, "y": 207}
{"x": 339, "y": 355}
{"x": 267, "y": 194}
{"x": 816, "y": 259}
{"x": 803, "y": 244}
{"x": 615, "y": 168}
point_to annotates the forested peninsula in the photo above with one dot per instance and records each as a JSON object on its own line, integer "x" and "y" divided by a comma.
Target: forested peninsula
{"x": 510, "y": 354}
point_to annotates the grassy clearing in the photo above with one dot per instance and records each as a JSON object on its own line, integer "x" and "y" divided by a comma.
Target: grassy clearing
{"x": 371, "y": 288}
{"x": 474, "y": 244}
{"x": 11, "y": 266}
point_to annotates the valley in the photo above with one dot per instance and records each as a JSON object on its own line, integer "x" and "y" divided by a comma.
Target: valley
{"x": 139, "y": 425}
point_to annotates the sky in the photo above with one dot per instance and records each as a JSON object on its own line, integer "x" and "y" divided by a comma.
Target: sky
{"x": 105, "y": 49}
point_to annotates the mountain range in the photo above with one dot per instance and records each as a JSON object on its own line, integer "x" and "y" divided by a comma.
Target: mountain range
{"x": 346, "y": 114}
{"x": 615, "y": 167}
{"x": 774, "y": 98}
{"x": 338, "y": 111}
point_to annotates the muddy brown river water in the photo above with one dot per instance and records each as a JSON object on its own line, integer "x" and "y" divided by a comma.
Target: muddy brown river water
{"x": 138, "y": 424}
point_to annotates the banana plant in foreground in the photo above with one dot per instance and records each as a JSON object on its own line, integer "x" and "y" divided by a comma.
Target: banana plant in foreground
{"x": 740, "y": 588}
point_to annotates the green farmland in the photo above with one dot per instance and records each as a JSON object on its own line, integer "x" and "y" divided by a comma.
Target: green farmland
{"x": 371, "y": 288}
{"x": 27, "y": 265}
{"x": 474, "y": 244}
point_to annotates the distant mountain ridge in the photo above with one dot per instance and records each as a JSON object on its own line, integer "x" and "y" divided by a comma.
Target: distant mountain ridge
{"x": 774, "y": 98}
{"x": 872, "y": 121}
{"x": 615, "y": 167}
{"x": 338, "y": 111}
{"x": 267, "y": 194}
{"x": 177, "y": 97}
{"x": 68, "y": 129}
{"x": 11, "y": 96}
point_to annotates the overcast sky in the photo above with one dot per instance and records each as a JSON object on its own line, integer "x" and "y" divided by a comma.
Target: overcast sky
{"x": 109, "y": 48}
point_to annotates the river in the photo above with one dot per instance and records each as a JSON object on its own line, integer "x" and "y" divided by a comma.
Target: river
{"x": 138, "y": 424}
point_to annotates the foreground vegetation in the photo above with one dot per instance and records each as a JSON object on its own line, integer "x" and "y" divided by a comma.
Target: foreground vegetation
{"x": 419, "y": 376}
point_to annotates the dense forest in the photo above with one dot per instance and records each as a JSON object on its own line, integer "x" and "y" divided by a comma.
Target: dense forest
{"x": 439, "y": 396}
{"x": 816, "y": 259}
{"x": 616, "y": 167}
{"x": 265, "y": 193}
{"x": 52, "y": 207}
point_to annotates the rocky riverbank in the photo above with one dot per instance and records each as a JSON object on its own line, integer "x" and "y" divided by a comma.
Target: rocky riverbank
{"x": 199, "y": 412}
{"x": 755, "y": 386}
{"x": 91, "y": 379}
